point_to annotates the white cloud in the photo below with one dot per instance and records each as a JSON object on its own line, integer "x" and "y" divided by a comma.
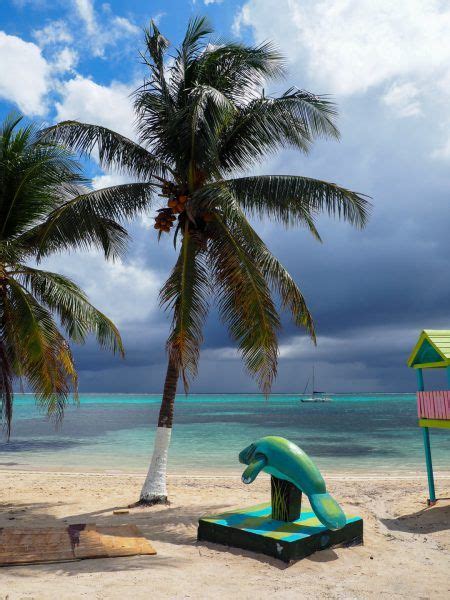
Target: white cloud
{"x": 403, "y": 98}
{"x": 108, "y": 180}
{"x": 24, "y": 74}
{"x": 84, "y": 100}
{"x": 105, "y": 30}
{"x": 350, "y": 46}
{"x": 443, "y": 152}
{"x": 55, "y": 32}
{"x": 399, "y": 52}
{"x": 126, "y": 25}
{"x": 65, "y": 60}
{"x": 85, "y": 10}
{"x": 212, "y": 2}
{"x": 108, "y": 284}
{"x": 157, "y": 18}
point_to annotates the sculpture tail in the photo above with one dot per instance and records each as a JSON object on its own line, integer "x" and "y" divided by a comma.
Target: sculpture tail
{"x": 328, "y": 511}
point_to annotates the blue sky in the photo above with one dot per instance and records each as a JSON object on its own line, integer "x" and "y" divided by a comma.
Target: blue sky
{"x": 386, "y": 65}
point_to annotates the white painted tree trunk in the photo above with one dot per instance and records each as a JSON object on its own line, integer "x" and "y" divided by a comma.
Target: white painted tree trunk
{"x": 154, "y": 490}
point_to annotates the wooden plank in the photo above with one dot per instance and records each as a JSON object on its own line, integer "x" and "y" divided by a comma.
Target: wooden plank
{"x": 41, "y": 545}
{"x": 21, "y": 546}
{"x": 119, "y": 540}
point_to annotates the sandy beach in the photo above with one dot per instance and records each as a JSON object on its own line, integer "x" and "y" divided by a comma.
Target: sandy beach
{"x": 406, "y": 553}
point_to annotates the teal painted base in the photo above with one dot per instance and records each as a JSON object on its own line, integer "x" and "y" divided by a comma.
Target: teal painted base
{"x": 254, "y": 529}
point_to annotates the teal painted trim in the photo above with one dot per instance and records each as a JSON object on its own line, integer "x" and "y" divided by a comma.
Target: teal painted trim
{"x": 448, "y": 376}
{"x": 426, "y": 443}
{"x": 419, "y": 374}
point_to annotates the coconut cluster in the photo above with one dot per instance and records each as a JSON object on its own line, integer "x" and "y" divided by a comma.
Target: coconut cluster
{"x": 175, "y": 205}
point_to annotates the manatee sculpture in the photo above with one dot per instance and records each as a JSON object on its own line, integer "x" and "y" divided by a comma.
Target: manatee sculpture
{"x": 283, "y": 459}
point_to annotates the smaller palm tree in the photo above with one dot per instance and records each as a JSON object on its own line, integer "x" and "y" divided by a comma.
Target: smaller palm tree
{"x": 45, "y": 207}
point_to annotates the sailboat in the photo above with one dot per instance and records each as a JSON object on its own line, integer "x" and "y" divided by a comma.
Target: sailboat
{"x": 316, "y": 396}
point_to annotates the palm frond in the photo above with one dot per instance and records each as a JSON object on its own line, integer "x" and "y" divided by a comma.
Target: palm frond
{"x": 291, "y": 199}
{"x": 90, "y": 220}
{"x": 244, "y": 299}
{"x": 156, "y": 45}
{"x": 267, "y": 124}
{"x": 64, "y": 298}
{"x": 115, "y": 151}
{"x": 44, "y": 354}
{"x": 185, "y": 294}
{"x": 209, "y": 111}
{"x": 274, "y": 273}
{"x": 32, "y": 177}
{"x": 7, "y": 128}
{"x": 239, "y": 71}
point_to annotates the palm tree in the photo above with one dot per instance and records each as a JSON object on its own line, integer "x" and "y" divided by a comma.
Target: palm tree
{"x": 202, "y": 118}
{"x": 45, "y": 208}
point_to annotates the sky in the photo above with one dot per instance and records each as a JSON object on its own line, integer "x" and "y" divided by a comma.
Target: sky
{"x": 371, "y": 292}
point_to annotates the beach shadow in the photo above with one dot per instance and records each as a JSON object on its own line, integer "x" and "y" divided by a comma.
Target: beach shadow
{"x": 155, "y": 525}
{"x": 94, "y": 565}
{"x": 159, "y": 524}
{"x": 321, "y": 556}
{"x": 427, "y": 520}
{"x": 261, "y": 558}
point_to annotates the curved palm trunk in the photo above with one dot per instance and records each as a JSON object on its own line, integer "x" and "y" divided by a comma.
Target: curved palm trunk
{"x": 154, "y": 490}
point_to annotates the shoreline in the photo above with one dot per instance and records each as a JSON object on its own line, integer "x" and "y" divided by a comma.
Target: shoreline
{"x": 338, "y": 474}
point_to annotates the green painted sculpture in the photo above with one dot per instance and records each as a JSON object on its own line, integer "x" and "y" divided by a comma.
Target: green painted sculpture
{"x": 286, "y": 461}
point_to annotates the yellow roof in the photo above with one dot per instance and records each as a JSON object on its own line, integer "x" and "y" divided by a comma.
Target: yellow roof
{"x": 431, "y": 350}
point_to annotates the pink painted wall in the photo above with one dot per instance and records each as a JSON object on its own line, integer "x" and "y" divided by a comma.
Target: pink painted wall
{"x": 433, "y": 405}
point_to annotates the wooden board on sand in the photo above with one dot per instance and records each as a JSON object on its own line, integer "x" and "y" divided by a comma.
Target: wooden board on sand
{"x": 73, "y": 542}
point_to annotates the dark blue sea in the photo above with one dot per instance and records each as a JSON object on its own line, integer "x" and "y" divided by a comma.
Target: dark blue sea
{"x": 115, "y": 433}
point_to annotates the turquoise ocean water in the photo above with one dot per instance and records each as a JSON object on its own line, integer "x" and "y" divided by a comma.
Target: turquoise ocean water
{"x": 115, "y": 432}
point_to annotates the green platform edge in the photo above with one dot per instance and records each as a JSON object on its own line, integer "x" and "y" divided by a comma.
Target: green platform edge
{"x": 253, "y": 529}
{"x": 435, "y": 423}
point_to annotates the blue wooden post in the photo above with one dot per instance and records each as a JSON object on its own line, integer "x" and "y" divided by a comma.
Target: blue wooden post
{"x": 448, "y": 377}
{"x": 426, "y": 443}
{"x": 420, "y": 385}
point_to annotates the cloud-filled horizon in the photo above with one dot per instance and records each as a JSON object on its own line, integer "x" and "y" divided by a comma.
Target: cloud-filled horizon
{"x": 371, "y": 291}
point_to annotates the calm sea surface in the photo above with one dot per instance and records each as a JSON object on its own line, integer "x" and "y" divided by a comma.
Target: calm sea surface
{"x": 115, "y": 432}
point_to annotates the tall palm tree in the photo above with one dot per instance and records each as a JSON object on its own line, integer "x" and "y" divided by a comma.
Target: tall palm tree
{"x": 45, "y": 207}
{"x": 202, "y": 117}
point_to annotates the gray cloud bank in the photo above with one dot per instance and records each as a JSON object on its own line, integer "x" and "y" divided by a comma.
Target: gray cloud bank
{"x": 371, "y": 291}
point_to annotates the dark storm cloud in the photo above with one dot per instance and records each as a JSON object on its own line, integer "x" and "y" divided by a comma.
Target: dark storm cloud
{"x": 370, "y": 291}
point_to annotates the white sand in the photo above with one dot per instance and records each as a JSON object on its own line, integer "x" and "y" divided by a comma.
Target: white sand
{"x": 406, "y": 552}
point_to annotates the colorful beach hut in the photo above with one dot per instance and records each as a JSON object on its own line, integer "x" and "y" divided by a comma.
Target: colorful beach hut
{"x": 432, "y": 351}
